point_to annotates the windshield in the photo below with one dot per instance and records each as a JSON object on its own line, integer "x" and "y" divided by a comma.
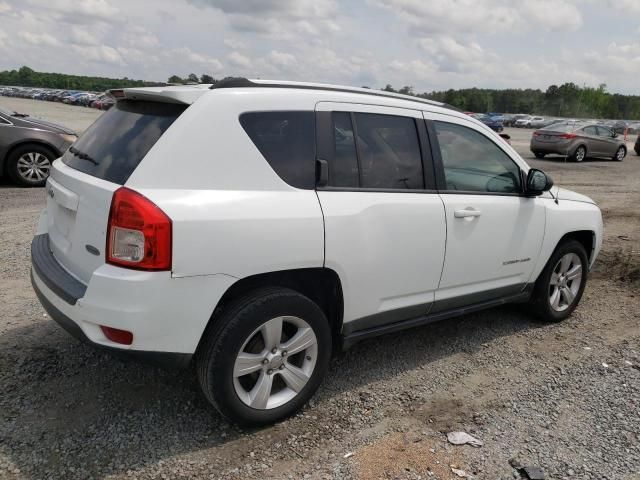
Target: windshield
{"x": 116, "y": 143}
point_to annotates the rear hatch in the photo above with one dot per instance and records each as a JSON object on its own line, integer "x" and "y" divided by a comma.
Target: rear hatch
{"x": 82, "y": 182}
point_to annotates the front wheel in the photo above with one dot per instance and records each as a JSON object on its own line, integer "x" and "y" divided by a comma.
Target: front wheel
{"x": 620, "y": 154}
{"x": 265, "y": 356}
{"x": 561, "y": 284}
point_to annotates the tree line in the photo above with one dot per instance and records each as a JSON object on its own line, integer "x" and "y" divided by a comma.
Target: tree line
{"x": 27, "y": 77}
{"x": 566, "y": 100}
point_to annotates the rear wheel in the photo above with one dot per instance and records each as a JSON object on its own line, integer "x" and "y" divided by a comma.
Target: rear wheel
{"x": 580, "y": 154}
{"x": 620, "y": 154}
{"x": 539, "y": 154}
{"x": 29, "y": 165}
{"x": 265, "y": 356}
{"x": 561, "y": 284}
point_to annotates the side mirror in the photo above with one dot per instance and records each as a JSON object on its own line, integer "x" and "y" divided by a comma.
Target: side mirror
{"x": 615, "y": 134}
{"x": 538, "y": 182}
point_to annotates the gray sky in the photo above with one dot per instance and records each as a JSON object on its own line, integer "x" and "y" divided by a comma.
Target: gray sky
{"x": 429, "y": 44}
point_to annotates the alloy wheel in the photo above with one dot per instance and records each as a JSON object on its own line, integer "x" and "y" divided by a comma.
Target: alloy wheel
{"x": 565, "y": 281}
{"x": 275, "y": 362}
{"x": 580, "y": 154}
{"x": 620, "y": 154}
{"x": 33, "y": 166}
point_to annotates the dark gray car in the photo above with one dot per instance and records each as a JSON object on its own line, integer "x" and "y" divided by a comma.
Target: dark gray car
{"x": 28, "y": 146}
{"x": 578, "y": 141}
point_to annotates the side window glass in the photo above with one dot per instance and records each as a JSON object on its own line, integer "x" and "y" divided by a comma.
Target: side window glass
{"x": 473, "y": 163}
{"x": 590, "y": 130}
{"x": 287, "y": 141}
{"x": 343, "y": 171}
{"x": 604, "y": 132}
{"x": 389, "y": 152}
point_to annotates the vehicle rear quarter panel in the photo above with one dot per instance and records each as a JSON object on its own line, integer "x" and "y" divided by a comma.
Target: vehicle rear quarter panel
{"x": 231, "y": 212}
{"x": 565, "y": 217}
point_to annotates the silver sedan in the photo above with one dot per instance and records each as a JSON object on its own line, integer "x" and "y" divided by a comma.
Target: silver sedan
{"x": 578, "y": 141}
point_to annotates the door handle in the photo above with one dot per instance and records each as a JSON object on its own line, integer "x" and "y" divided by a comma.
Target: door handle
{"x": 467, "y": 213}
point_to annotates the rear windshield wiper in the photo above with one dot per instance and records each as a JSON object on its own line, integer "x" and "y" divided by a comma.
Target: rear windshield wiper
{"x": 82, "y": 155}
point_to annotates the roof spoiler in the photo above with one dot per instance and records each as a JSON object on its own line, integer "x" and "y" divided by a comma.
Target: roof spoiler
{"x": 183, "y": 95}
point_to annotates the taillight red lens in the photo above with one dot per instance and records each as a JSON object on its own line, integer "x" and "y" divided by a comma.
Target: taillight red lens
{"x": 139, "y": 233}
{"x": 568, "y": 135}
{"x": 536, "y": 134}
{"x": 118, "y": 336}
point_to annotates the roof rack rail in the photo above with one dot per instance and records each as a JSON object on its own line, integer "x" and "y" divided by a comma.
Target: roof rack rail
{"x": 241, "y": 82}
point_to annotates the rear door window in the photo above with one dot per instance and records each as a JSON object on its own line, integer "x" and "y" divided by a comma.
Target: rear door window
{"x": 286, "y": 139}
{"x": 389, "y": 152}
{"x": 343, "y": 170}
{"x": 116, "y": 143}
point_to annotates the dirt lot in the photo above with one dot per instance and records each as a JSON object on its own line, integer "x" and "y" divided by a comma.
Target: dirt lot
{"x": 564, "y": 397}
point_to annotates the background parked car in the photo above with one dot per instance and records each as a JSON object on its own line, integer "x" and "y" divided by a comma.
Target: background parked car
{"x": 636, "y": 147}
{"x": 489, "y": 122}
{"x": 529, "y": 121}
{"x": 28, "y": 147}
{"x": 539, "y": 122}
{"x": 577, "y": 141}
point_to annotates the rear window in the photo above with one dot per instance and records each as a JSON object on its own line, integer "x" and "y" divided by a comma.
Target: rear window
{"x": 560, "y": 127}
{"x": 116, "y": 143}
{"x": 286, "y": 139}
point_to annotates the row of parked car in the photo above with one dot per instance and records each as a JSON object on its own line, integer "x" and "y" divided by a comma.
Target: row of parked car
{"x": 98, "y": 100}
{"x": 498, "y": 121}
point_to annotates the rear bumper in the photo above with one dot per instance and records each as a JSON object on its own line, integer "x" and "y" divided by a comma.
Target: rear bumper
{"x": 167, "y": 316}
{"x": 557, "y": 148}
{"x": 163, "y": 359}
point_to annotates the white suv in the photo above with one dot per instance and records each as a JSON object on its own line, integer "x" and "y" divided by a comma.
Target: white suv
{"x": 254, "y": 227}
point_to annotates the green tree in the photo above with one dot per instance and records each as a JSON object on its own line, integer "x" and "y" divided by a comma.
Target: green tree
{"x": 175, "y": 79}
{"x": 204, "y": 78}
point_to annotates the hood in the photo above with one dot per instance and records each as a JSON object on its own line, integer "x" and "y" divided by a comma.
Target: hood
{"x": 564, "y": 194}
{"x": 30, "y": 122}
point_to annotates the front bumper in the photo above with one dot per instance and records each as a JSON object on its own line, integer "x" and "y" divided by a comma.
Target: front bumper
{"x": 166, "y": 315}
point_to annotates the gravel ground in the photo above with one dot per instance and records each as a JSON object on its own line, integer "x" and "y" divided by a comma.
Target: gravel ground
{"x": 563, "y": 397}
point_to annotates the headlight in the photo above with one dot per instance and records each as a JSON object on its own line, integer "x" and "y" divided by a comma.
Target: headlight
{"x": 69, "y": 138}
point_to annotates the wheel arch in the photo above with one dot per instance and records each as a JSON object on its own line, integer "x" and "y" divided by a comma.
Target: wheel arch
{"x": 322, "y": 285}
{"x": 586, "y": 237}
{"x": 578, "y": 145}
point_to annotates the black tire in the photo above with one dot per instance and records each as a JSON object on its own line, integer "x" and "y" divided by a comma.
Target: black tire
{"x": 540, "y": 300}
{"x": 539, "y": 154}
{"x": 233, "y": 327}
{"x": 30, "y": 150}
{"x": 577, "y": 157}
{"x": 616, "y": 156}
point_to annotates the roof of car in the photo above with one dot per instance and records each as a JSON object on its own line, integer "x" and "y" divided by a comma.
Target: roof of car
{"x": 241, "y": 82}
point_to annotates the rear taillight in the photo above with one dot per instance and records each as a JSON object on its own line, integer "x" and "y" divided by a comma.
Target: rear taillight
{"x": 568, "y": 135}
{"x": 536, "y": 134}
{"x": 139, "y": 233}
